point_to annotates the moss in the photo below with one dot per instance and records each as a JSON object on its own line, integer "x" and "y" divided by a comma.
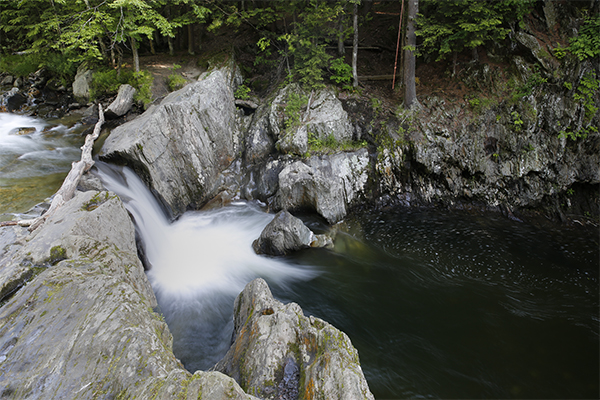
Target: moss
{"x": 96, "y": 201}
{"x": 57, "y": 254}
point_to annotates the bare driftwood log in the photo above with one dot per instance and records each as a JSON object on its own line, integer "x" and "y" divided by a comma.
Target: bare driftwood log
{"x": 67, "y": 190}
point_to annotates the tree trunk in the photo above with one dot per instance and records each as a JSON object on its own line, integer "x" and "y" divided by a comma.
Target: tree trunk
{"x": 152, "y": 46}
{"x": 136, "y": 56}
{"x": 475, "y": 54}
{"x": 454, "y": 61}
{"x": 341, "y": 48}
{"x": 355, "y": 47}
{"x": 410, "y": 91}
{"x": 190, "y": 29}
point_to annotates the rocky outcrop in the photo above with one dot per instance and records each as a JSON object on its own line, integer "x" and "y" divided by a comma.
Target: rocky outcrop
{"x": 278, "y": 353}
{"x": 83, "y": 326}
{"x": 327, "y": 184}
{"x": 182, "y": 146}
{"x": 295, "y": 117}
{"x": 122, "y": 104}
{"x": 283, "y": 235}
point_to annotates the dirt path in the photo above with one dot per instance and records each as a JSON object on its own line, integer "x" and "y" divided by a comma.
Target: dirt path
{"x": 162, "y": 65}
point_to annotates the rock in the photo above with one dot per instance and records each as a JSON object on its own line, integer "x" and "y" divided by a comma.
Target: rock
{"x": 90, "y": 182}
{"x": 84, "y": 325}
{"x": 293, "y": 121}
{"x": 182, "y": 145}
{"x": 7, "y": 80}
{"x": 13, "y": 100}
{"x": 327, "y": 117}
{"x": 122, "y": 104}
{"x": 283, "y": 235}
{"x": 328, "y": 184}
{"x": 294, "y": 141}
{"x": 258, "y": 143}
{"x": 81, "y": 84}
{"x": 18, "y": 82}
{"x": 530, "y": 42}
{"x": 278, "y": 353}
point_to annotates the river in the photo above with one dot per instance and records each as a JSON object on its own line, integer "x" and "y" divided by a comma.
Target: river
{"x": 439, "y": 304}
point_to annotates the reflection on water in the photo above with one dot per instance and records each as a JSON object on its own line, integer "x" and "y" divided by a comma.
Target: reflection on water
{"x": 451, "y": 305}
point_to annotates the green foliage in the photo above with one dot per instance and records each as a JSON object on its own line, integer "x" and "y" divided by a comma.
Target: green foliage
{"x": 342, "y": 73}
{"x": 106, "y": 82}
{"x": 585, "y": 95}
{"x": 331, "y": 144}
{"x": 588, "y": 87}
{"x": 242, "y": 92}
{"x": 376, "y": 106}
{"x": 587, "y": 43}
{"x": 293, "y": 109}
{"x": 517, "y": 121}
{"x": 142, "y": 81}
{"x": 20, "y": 65}
{"x": 175, "y": 81}
{"x": 448, "y": 26}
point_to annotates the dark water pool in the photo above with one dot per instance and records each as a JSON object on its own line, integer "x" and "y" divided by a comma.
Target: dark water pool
{"x": 450, "y": 305}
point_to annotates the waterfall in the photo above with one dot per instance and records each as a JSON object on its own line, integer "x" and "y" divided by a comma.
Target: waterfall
{"x": 199, "y": 264}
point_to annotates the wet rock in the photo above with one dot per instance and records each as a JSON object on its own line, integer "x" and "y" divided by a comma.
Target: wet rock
{"x": 184, "y": 144}
{"x": 283, "y": 235}
{"x": 278, "y": 353}
{"x": 122, "y": 104}
{"x": 83, "y": 323}
{"x": 13, "y": 100}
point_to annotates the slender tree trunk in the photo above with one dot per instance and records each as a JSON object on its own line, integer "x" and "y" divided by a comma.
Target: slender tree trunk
{"x": 454, "y": 61}
{"x": 341, "y": 48}
{"x": 475, "y": 54}
{"x": 190, "y": 29}
{"x": 355, "y": 47}
{"x": 169, "y": 38}
{"x": 152, "y": 46}
{"x": 398, "y": 44}
{"x": 136, "y": 56}
{"x": 410, "y": 91}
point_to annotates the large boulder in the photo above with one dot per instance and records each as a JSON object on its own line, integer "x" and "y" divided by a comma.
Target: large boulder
{"x": 283, "y": 235}
{"x": 327, "y": 184}
{"x": 81, "y": 84}
{"x": 83, "y": 326}
{"x": 182, "y": 145}
{"x": 295, "y": 117}
{"x": 279, "y": 353}
{"x": 122, "y": 104}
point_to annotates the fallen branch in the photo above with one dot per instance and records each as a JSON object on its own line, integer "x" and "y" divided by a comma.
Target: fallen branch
{"x": 67, "y": 190}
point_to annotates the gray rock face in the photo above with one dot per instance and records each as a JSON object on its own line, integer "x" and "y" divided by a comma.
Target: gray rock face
{"x": 183, "y": 144}
{"x": 326, "y": 184}
{"x": 81, "y": 84}
{"x": 84, "y": 327}
{"x": 122, "y": 104}
{"x": 324, "y": 117}
{"x": 504, "y": 157}
{"x": 278, "y": 353}
{"x": 283, "y": 235}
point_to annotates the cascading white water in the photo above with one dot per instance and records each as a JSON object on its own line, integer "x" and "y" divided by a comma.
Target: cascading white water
{"x": 35, "y": 156}
{"x": 198, "y": 264}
